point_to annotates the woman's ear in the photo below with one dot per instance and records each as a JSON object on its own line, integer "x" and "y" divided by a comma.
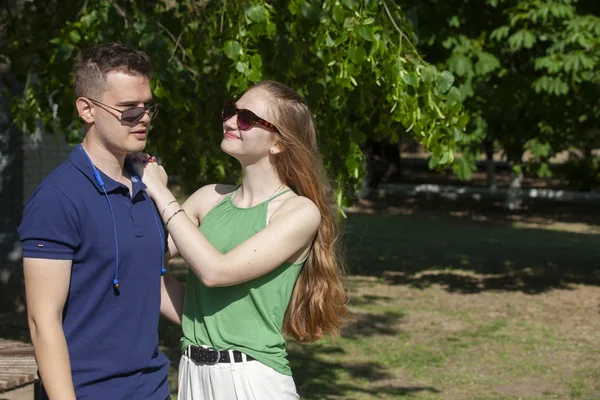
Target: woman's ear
{"x": 85, "y": 109}
{"x": 277, "y": 148}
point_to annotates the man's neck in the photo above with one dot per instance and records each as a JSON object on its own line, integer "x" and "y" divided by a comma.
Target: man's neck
{"x": 113, "y": 165}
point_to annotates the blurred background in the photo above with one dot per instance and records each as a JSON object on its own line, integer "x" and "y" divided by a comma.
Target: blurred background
{"x": 462, "y": 138}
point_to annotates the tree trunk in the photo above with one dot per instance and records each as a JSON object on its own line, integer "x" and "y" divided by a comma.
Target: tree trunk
{"x": 491, "y": 166}
{"x": 514, "y": 198}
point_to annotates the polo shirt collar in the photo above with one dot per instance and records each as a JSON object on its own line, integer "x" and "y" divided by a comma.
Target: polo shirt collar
{"x": 81, "y": 161}
{"x": 136, "y": 182}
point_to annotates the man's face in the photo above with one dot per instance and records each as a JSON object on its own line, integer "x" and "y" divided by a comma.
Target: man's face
{"x": 122, "y": 91}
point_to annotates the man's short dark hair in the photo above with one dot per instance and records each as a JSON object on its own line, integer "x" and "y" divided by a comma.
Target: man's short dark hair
{"x": 93, "y": 65}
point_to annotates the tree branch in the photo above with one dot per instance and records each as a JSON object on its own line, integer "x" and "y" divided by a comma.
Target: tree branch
{"x": 402, "y": 34}
{"x": 164, "y": 28}
{"x": 222, "y": 16}
{"x": 120, "y": 11}
{"x": 176, "y": 45}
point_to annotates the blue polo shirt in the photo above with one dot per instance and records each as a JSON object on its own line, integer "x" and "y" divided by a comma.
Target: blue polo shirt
{"x": 112, "y": 336}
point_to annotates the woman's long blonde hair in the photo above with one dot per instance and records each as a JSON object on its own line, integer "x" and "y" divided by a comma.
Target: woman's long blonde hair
{"x": 318, "y": 303}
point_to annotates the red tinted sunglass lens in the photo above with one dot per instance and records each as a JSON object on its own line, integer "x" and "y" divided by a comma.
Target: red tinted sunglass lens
{"x": 228, "y": 111}
{"x": 244, "y": 119}
{"x": 133, "y": 114}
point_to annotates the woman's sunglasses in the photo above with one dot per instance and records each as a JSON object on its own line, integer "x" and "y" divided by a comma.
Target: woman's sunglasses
{"x": 245, "y": 118}
{"x": 132, "y": 115}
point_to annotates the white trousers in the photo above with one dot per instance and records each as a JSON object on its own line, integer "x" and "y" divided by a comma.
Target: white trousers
{"x": 246, "y": 380}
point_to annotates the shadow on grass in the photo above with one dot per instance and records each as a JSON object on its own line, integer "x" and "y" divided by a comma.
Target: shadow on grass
{"x": 368, "y": 325}
{"x": 317, "y": 378}
{"x": 492, "y": 210}
{"x": 468, "y": 256}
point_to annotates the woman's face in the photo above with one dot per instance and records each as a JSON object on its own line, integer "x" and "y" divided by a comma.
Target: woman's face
{"x": 255, "y": 143}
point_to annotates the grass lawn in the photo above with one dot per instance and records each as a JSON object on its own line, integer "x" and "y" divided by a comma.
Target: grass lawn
{"x": 451, "y": 308}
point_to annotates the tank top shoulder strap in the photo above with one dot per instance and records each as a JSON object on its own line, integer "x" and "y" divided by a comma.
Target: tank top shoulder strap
{"x": 278, "y": 194}
{"x": 226, "y": 198}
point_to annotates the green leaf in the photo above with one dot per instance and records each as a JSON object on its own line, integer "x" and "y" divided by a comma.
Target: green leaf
{"x": 529, "y": 39}
{"x": 433, "y": 162}
{"x": 515, "y": 40}
{"x": 517, "y": 169}
{"x": 444, "y": 81}
{"x": 88, "y": 19}
{"x": 241, "y": 67}
{"x": 256, "y": 13}
{"x": 351, "y": 4}
{"x": 232, "y": 49}
{"x": 410, "y": 79}
{"x": 354, "y": 69}
{"x": 501, "y": 33}
{"x": 446, "y": 156}
{"x": 256, "y": 61}
{"x": 454, "y": 22}
{"x": 460, "y": 64}
{"x": 487, "y": 63}
{"x": 428, "y": 74}
{"x": 329, "y": 41}
{"x": 349, "y": 22}
{"x": 74, "y": 36}
{"x": 338, "y": 14}
{"x": 254, "y": 75}
{"x": 541, "y": 84}
{"x": 366, "y": 33}
{"x": 537, "y": 148}
{"x": 463, "y": 120}
{"x": 357, "y": 55}
{"x": 571, "y": 63}
{"x": 368, "y": 21}
{"x": 522, "y": 38}
{"x": 544, "y": 170}
{"x": 463, "y": 169}
{"x": 454, "y": 96}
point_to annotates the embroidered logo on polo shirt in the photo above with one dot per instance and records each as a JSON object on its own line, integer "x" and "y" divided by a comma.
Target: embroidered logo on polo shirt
{"x": 134, "y": 179}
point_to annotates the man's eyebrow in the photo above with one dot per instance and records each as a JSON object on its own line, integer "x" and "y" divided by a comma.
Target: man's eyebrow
{"x": 132, "y": 102}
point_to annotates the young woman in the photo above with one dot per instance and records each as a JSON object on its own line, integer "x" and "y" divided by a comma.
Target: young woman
{"x": 265, "y": 260}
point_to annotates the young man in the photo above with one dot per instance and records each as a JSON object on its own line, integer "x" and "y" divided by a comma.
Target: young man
{"x": 94, "y": 244}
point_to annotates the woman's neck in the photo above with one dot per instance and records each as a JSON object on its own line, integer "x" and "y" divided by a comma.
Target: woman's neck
{"x": 259, "y": 183}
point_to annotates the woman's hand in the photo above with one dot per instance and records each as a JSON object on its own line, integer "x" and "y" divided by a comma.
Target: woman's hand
{"x": 153, "y": 174}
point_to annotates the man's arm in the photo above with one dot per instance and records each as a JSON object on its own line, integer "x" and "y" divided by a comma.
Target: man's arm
{"x": 171, "y": 296}
{"x": 46, "y": 287}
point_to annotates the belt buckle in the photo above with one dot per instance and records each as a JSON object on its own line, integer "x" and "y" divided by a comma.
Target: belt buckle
{"x": 216, "y": 351}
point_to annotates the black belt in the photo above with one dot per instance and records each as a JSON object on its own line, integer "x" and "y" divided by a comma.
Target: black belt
{"x": 210, "y": 356}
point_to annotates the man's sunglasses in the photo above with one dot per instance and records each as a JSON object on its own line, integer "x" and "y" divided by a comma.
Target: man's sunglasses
{"x": 245, "y": 118}
{"x": 132, "y": 115}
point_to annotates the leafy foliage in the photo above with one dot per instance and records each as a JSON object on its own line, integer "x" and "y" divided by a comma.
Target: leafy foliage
{"x": 354, "y": 61}
{"x": 527, "y": 73}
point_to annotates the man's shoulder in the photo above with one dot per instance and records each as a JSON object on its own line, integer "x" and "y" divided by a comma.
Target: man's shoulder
{"x": 63, "y": 180}
{"x": 62, "y": 176}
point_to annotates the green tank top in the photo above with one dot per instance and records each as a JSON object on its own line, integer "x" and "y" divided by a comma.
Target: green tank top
{"x": 249, "y": 316}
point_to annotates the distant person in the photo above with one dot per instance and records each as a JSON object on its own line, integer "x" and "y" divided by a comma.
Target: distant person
{"x": 94, "y": 244}
{"x": 265, "y": 260}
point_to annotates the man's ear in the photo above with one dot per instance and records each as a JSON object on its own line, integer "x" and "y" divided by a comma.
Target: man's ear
{"x": 85, "y": 109}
